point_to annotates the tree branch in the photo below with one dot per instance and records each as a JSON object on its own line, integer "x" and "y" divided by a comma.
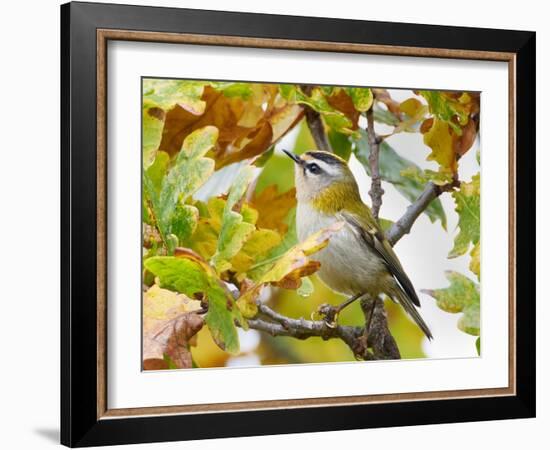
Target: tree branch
{"x": 378, "y": 337}
{"x": 376, "y": 190}
{"x": 315, "y": 124}
{"x": 317, "y": 129}
{"x": 404, "y": 224}
{"x": 304, "y": 329}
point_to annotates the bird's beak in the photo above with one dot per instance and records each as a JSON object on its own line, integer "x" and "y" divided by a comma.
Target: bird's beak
{"x": 295, "y": 158}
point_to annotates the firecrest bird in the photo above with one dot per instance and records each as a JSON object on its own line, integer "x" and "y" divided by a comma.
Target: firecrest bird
{"x": 358, "y": 259}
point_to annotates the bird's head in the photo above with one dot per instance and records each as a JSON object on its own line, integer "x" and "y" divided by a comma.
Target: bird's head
{"x": 323, "y": 178}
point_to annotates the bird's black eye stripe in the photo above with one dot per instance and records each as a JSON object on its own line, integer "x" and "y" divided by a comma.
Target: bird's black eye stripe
{"x": 313, "y": 168}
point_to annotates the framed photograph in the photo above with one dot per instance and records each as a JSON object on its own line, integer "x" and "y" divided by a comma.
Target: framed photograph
{"x": 277, "y": 224}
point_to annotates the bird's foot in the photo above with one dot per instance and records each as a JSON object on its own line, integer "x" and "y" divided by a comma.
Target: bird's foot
{"x": 328, "y": 313}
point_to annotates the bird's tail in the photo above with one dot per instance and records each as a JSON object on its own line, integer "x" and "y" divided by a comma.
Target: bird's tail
{"x": 411, "y": 310}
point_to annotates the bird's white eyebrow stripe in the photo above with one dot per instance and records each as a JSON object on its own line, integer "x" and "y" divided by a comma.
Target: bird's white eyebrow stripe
{"x": 329, "y": 168}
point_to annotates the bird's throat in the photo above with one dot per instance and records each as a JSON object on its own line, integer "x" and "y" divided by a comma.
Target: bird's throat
{"x": 336, "y": 197}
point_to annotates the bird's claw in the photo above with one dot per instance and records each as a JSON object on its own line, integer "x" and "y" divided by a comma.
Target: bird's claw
{"x": 331, "y": 323}
{"x": 327, "y": 313}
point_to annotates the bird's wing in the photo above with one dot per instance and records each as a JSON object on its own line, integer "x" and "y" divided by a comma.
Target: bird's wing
{"x": 374, "y": 237}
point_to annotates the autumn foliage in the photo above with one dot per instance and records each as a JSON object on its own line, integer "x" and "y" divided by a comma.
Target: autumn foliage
{"x": 218, "y": 200}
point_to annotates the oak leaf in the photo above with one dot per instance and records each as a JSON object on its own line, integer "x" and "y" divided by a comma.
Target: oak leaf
{"x": 273, "y": 207}
{"x": 167, "y": 188}
{"x": 461, "y": 296}
{"x": 171, "y": 344}
{"x": 452, "y": 130}
{"x": 467, "y": 201}
{"x": 189, "y": 274}
{"x": 169, "y": 325}
{"x": 234, "y": 230}
{"x": 341, "y": 101}
{"x": 441, "y": 139}
{"x": 475, "y": 261}
{"x": 287, "y": 270}
{"x": 248, "y": 119}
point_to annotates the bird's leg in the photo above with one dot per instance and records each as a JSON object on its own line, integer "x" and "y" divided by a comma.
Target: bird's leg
{"x": 348, "y": 302}
{"x": 330, "y": 313}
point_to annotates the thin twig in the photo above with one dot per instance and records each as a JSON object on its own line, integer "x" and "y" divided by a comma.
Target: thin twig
{"x": 315, "y": 124}
{"x": 404, "y": 224}
{"x": 376, "y": 190}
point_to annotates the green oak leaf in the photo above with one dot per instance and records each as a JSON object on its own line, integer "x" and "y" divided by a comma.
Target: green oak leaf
{"x": 179, "y": 275}
{"x": 152, "y": 180}
{"x": 461, "y": 296}
{"x": 152, "y": 124}
{"x": 362, "y": 98}
{"x": 289, "y": 92}
{"x": 440, "y": 178}
{"x": 157, "y": 170}
{"x": 445, "y": 109}
{"x": 193, "y": 277}
{"x": 467, "y": 201}
{"x": 230, "y": 89}
{"x": 336, "y": 120}
{"x": 167, "y": 188}
{"x": 391, "y": 165}
{"x": 166, "y": 94}
{"x": 328, "y": 90}
{"x": 190, "y": 170}
{"x": 159, "y": 97}
{"x": 184, "y": 221}
{"x": 234, "y": 230}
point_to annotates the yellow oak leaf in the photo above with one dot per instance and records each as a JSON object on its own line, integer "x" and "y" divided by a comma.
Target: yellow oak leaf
{"x": 440, "y": 138}
{"x": 474, "y": 262}
{"x": 168, "y": 327}
{"x": 287, "y": 270}
{"x": 257, "y": 246}
{"x": 273, "y": 208}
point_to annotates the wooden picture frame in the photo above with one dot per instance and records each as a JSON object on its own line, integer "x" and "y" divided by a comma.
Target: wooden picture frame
{"x": 85, "y": 416}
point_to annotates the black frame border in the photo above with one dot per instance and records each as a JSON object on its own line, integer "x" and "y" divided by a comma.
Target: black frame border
{"x": 79, "y": 423}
